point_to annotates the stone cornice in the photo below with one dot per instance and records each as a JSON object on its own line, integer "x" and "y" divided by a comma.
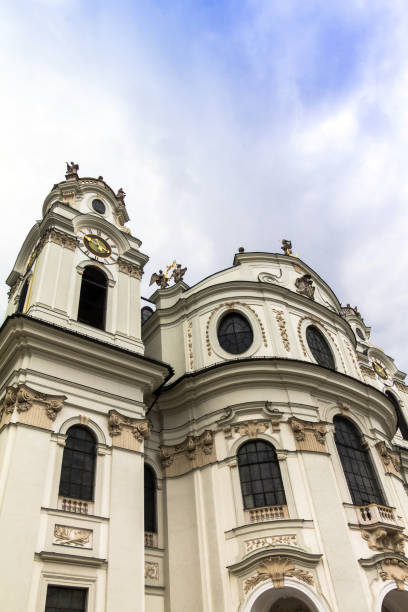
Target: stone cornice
{"x": 33, "y": 407}
{"x": 127, "y": 432}
{"x": 309, "y": 435}
{"x": 194, "y": 452}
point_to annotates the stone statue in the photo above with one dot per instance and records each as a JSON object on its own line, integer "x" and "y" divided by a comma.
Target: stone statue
{"x": 287, "y": 247}
{"x": 304, "y": 286}
{"x": 160, "y": 279}
{"x": 121, "y": 194}
{"x": 178, "y": 273}
{"x": 72, "y": 170}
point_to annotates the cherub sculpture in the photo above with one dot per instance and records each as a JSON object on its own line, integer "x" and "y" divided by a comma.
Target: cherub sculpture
{"x": 121, "y": 194}
{"x": 287, "y": 247}
{"x": 160, "y": 279}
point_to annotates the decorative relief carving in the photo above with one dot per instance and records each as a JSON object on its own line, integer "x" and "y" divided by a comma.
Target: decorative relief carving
{"x": 193, "y": 452}
{"x": 230, "y": 306}
{"x": 33, "y": 407}
{"x": 304, "y": 286}
{"x": 190, "y": 343}
{"x": 344, "y": 407}
{"x": 128, "y": 432}
{"x": 394, "y": 569}
{"x": 71, "y": 536}
{"x": 384, "y": 538}
{"x": 390, "y": 459}
{"x": 297, "y": 268}
{"x": 273, "y": 279}
{"x": 275, "y": 569}
{"x": 62, "y": 239}
{"x": 367, "y": 372}
{"x": 400, "y": 386}
{"x": 130, "y": 269}
{"x": 353, "y": 359}
{"x": 277, "y": 540}
{"x": 282, "y": 328}
{"x": 14, "y": 287}
{"x": 309, "y": 436}
{"x": 151, "y": 570}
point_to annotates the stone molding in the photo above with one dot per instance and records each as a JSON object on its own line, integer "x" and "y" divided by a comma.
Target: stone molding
{"x": 130, "y": 269}
{"x": 72, "y": 536}
{"x": 151, "y": 570}
{"x": 390, "y": 459}
{"x": 190, "y": 344}
{"x": 309, "y": 436}
{"x": 127, "y": 432}
{"x": 14, "y": 287}
{"x": 282, "y": 328}
{"x": 353, "y": 358}
{"x": 276, "y": 569}
{"x": 270, "y": 541}
{"x": 394, "y": 569}
{"x": 194, "y": 452}
{"x": 33, "y": 407}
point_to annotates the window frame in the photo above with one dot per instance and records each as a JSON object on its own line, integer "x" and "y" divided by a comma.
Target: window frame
{"x": 318, "y": 332}
{"x": 81, "y": 298}
{"x": 148, "y": 468}
{"x": 92, "y": 435}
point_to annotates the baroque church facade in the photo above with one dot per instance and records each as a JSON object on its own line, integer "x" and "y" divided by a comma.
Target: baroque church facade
{"x": 235, "y": 446}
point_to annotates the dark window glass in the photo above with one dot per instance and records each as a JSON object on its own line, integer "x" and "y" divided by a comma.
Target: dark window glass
{"x": 22, "y": 297}
{"x": 319, "y": 347}
{"x": 99, "y": 206}
{"x": 146, "y": 313}
{"x": 360, "y": 333}
{"x": 356, "y": 462}
{"x": 235, "y": 333}
{"x": 149, "y": 500}
{"x": 65, "y": 599}
{"x": 92, "y": 300}
{"x": 401, "y": 422}
{"x": 260, "y": 476}
{"x": 78, "y": 464}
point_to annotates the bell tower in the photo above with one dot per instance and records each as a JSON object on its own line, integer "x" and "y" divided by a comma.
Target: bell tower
{"x": 80, "y": 267}
{"x": 75, "y": 387}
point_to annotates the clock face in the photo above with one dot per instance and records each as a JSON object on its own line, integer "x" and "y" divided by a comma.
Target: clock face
{"x": 97, "y": 245}
{"x": 381, "y": 372}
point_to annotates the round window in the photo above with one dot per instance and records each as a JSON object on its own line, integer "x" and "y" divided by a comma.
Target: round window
{"x": 99, "y": 206}
{"x": 360, "y": 333}
{"x": 235, "y": 334}
{"x": 319, "y": 347}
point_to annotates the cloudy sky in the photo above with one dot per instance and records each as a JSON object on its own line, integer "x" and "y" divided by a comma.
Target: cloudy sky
{"x": 228, "y": 123}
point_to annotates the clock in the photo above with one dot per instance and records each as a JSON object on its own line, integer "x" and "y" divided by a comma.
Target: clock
{"x": 381, "y": 372}
{"x": 97, "y": 245}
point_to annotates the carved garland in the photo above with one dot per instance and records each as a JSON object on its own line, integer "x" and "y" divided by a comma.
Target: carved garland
{"x": 394, "y": 569}
{"x": 247, "y": 428}
{"x": 230, "y": 306}
{"x": 190, "y": 343}
{"x": 282, "y": 328}
{"x": 276, "y": 569}
{"x": 278, "y": 540}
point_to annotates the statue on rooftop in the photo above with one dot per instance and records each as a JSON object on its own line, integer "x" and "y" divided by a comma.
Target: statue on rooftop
{"x": 72, "y": 170}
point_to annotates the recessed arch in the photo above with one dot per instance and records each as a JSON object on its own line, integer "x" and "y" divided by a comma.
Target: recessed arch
{"x": 263, "y": 597}
{"x": 79, "y": 420}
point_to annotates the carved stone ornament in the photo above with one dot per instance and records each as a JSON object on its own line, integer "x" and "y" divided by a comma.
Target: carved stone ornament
{"x": 128, "y": 432}
{"x": 193, "y": 452}
{"x": 394, "y": 569}
{"x": 190, "y": 343}
{"x": 282, "y": 328}
{"x": 151, "y": 570}
{"x": 267, "y": 541}
{"x": 384, "y": 538}
{"x": 367, "y": 372}
{"x": 130, "y": 269}
{"x": 401, "y": 387}
{"x": 33, "y": 407}
{"x": 309, "y": 436}
{"x": 276, "y": 569}
{"x": 247, "y": 428}
{"x": 390, "y": 459}
{"x": 62, "y": 239}
{"x": 304, "y": 286}
{"x": 72, "y": 536}
{"x": 14, "y": 287}
{"x": 287, "y": 248}
{"x": 72, "y": 171}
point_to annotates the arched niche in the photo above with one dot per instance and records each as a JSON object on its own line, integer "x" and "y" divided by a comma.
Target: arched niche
{"x": 286, "y": 599}
{"x": 396, "y": 600}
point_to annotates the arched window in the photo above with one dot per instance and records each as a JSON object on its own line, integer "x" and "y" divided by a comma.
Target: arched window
{"x": 146, "y": 313}
{"x": 150, "y": 522}
{"x": 78, "y": 464}
{"x": 319, "y": 347}
{"x": 259, "y": 472}
{"x": 22, "y": 298}
{"x": 92, "y": 300}
{"x": 401, "y": 422}
{"x": 356, "y": 462}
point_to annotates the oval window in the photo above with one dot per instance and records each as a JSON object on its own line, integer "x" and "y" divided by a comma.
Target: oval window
{"x": 99, "y": 206}
{"x": 319, "y": 347}
{"x": 235, "y": 334}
